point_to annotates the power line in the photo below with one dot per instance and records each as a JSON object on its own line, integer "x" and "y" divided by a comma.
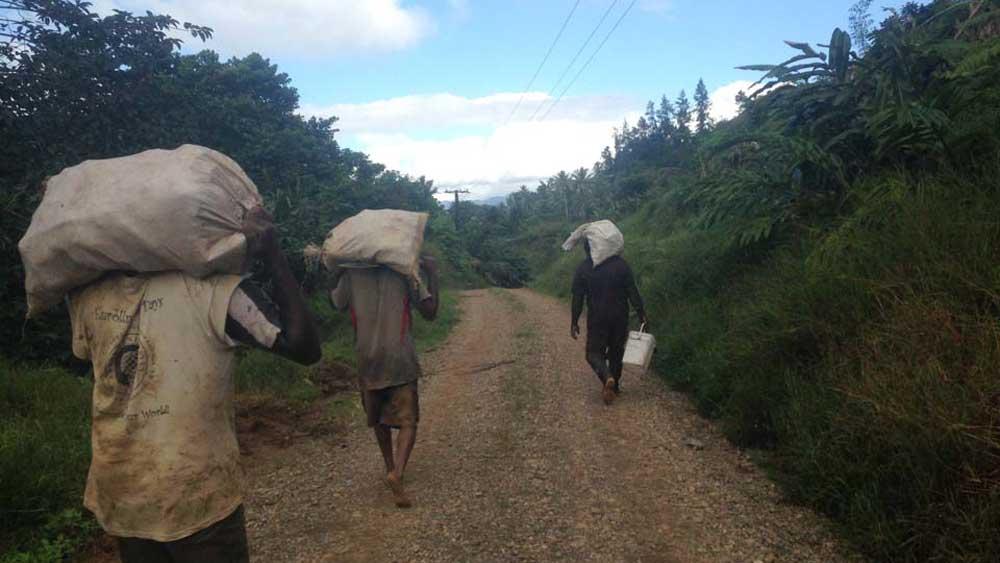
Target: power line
{"x": 586, "y": 64}
{"x": 544, "y": 60}
{"x": 575, "y": 57}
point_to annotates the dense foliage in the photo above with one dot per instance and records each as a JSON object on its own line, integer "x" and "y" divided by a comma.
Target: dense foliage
{"x": 44, "y": 454}
{"x": 821, "y": 271}
{"x": 77, "y": 86}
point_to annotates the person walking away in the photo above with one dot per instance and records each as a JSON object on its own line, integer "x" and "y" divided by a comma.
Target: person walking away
{"x": 608, "y": 290}
{"x": 380, "y": 300}
{"x": 165, "y": 478}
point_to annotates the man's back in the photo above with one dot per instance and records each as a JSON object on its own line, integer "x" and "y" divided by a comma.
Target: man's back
{"x": 380, "y": 302}
{"x": 608, "y": 289}
{"x": 165, "y": 458}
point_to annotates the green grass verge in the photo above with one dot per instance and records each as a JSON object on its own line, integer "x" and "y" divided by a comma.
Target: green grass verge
{"x": 44, "y": 454}
{"x": 863, "y": 356}
{"x": 268, "y": 376}
{"x": 45, "y": 432}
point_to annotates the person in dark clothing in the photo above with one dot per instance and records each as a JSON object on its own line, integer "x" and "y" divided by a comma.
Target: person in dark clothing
{"x": 608, "y": 290}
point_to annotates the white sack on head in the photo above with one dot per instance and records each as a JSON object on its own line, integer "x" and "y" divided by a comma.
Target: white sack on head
{"x": 385, "y": 237}
{"x": 180, "y": 209}
{"x": 604, "y": 237}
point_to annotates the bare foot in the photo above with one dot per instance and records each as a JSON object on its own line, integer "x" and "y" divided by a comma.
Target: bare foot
{"x": 396, "y": 486}
{"x": 609, "y": 391}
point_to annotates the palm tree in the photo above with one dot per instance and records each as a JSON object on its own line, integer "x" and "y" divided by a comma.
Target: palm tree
{"x": 581, "y": 187}
{"x": 563, "y": 185}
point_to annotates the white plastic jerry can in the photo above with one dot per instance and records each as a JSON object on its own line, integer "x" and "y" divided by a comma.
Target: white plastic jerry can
{"x": 639, "y": 349}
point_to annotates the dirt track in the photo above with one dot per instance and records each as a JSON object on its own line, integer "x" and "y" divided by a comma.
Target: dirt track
{"x": 517, "y": 459}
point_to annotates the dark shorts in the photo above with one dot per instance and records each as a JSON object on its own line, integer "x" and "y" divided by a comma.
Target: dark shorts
{"x": 222, "y": 542}
{"x": 396, "y": 407}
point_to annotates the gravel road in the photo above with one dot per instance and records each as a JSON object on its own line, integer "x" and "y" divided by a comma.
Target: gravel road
{"x": 517, "y": 459}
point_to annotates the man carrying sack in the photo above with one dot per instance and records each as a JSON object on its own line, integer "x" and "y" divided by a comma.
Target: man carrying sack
{"x": 165, "y": 476}
{"x": 605, "y": 281}
{"x": 150, "y": 248}
{"x": 377, "y": 269}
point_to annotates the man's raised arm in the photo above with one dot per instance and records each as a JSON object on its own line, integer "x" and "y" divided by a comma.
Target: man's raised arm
{"x": 428, "y": 307}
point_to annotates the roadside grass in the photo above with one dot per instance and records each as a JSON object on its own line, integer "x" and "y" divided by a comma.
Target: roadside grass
{"x": 271, "y": 378}
{"x": 509, "y": 299}
{"x": 44, "y": 454}
{"x": 862, "y": 357}
{"x": 430, "y": 334}
{"x": 45, "y": 431}
{"x": 517, "y": 388}
{"x": 526, "y": 333}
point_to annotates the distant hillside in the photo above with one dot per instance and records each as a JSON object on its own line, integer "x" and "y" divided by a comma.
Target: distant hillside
{"x": 490, "y": 201}
{"x": 494, "y": 201}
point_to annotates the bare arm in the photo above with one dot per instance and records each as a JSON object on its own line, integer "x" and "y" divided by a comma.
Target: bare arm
{"x": 298, "y": 339}
{"x": 428, "y": 308}
{"x": 632, "y": 291}
{"x": 579, "y": 291}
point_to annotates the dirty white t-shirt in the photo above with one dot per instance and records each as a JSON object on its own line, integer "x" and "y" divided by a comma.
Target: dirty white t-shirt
{"x": 165, "y": 457}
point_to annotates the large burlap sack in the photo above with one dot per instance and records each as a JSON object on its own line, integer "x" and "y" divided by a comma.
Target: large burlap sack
{"x": 158, "y": 210}
{"x": 604, "y": 237}
{"x": 385, "y": 237}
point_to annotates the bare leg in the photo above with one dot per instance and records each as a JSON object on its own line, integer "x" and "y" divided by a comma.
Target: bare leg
{"x": 405, "y": 440}
{"x": 383, "y": 434}
{"x": 404, "y": 445}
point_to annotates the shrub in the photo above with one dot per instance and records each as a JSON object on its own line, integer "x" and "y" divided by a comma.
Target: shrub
{"x": 44, "y": 455}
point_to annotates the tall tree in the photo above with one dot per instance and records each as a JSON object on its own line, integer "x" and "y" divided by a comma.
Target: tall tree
{"x": 78, "y": 86}
{"x": 582, "y": 190}
{"x": 73, "y": 86}
{"x": 651, "y": 118}
{"x": 642, "y": 128}
{"x": 702, "y": 106}
{"x": 564, "y": 187}
{"x": 665, "y": 117}
{"x": 682, "y": 112}
{"x": 861, "y": 25}
{"x": 607, "y": 159}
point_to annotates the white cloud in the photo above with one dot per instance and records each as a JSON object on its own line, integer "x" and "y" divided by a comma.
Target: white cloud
{"x": 309, "y": 28}
{"x": 499, "y": 162}
{"x": 656, "y": 6}
{"x": 444, "y": 110}
{"x": 723, "y": 99}
{"x": 496, "y": 160}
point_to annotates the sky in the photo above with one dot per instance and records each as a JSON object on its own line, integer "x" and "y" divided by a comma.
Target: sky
{"x": 430, "y": 87}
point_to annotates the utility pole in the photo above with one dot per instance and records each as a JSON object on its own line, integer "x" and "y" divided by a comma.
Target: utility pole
{"x": 455, "y": 206}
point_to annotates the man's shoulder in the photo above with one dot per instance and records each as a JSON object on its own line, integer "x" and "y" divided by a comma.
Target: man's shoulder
{"x": 112, "y": 282}
{"x": 615, "y": 264}
{"x": 378, "y": 280}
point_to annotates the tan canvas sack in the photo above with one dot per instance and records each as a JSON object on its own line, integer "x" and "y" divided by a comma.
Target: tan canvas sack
{"x": 386, "y": 237}
{"x": 180, "y": 209}
{"x": 604, "y": 237}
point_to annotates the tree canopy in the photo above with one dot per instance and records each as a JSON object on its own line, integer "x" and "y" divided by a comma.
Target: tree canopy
{"x": 79, "y": 86}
